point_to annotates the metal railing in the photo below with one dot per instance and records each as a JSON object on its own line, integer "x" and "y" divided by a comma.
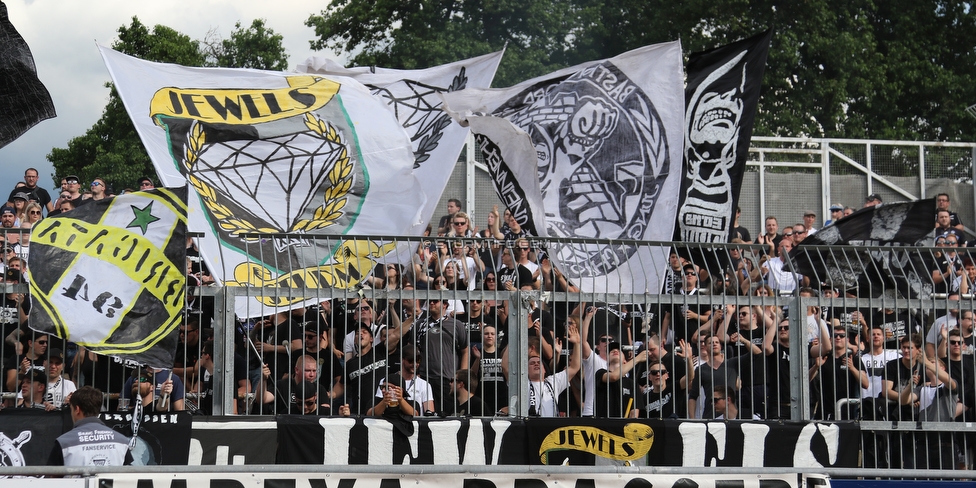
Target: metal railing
{"x": 705, "y": 297}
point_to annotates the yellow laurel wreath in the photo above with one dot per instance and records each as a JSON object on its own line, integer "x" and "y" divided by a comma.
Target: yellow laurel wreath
{"x": 335, "y": 197}
{"x": 340, "y": 178}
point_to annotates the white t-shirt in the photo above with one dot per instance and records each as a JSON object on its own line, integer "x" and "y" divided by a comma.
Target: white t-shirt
{"x": 467, "y": 269}
{"x": 874, "y": 365}
{"x": 813, "y": 324}
{"x": 779, "y": 276}
{"x": 589, "y": 368}
{"x": 544, "y": 395}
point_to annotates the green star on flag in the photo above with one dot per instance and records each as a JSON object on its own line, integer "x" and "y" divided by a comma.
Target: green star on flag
{"x": 143, "y": 217}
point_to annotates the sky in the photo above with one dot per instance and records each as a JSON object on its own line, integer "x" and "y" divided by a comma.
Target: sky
{"x": 62, "y": 36}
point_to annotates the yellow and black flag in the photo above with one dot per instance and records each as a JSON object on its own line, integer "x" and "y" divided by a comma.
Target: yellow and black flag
{"x": 110, "y": 275}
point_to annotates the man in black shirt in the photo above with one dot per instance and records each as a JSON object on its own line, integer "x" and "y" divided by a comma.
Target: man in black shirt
{"x": 467, "y": 404}
{"x": 363, "y": 373}
{"x": 34, "y": 192}
{"x": 841, "y": 376}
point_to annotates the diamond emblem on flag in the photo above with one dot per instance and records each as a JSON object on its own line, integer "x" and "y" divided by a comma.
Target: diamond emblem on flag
{"x": 286, "y": 170}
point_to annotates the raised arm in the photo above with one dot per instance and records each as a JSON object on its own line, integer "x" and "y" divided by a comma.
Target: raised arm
{"x": 574, "y": 354}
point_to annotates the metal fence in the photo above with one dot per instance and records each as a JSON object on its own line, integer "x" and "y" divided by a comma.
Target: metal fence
{"x": 717, "y": 341}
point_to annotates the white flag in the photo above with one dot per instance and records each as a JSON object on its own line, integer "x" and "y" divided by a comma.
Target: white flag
{"x": 413, "y": 96}
{"x": 606, "y": 147}
{"x": 275, "y": 152}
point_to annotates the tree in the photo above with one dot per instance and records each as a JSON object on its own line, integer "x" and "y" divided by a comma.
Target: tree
{"x": 411, "y": 35}
{"x": 256, "y": 47}
{"x": 111, "y": 149}
{"x": 897, "y": 69}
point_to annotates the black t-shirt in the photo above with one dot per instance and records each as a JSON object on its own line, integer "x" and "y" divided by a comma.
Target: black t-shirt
{"x": 613, "y": 398}
{"x": 473, "y": 325}
{"x": 706, "y": 379}
{"x": 281, "y": 335}
{"x": 363, "y": 375}
{"x": 901, "y": 377}
{"x": 741, "y": 233}
{"x": 682, "y": 327}
{"x": 657, "y": 405}
{"x": 964, "y": 372}
{"x": 837, "y": 382}
{"x": 474, "y": 407}
{"x": 329, "y": 368}
{"x": 778, "y": 382}
{"x": 493, "y": 385}
{"x": 37, "y": 194}
{"x": 518, "y": 277}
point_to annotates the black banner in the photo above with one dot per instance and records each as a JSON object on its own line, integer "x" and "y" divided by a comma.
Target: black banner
{"x": 721, "y": 99}
{"x": 376, "y": 441}
{"x": 164, "y": 438}
{"x": 589, "y": 442}
{"x": 233, "y": 440}
{"x": 578, "y": 442}
{"x": 27, "y": 436}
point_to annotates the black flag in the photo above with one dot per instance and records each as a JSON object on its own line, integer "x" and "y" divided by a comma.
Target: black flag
{"x": 720, "y": 108}
{"x": 23, "y": 99}
{"x": 899, "y": 226}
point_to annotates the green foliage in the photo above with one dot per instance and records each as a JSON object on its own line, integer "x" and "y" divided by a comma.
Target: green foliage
{"x": 111, "y": 149}
{"x": 892, "y": 69}
{"x": 257, "y": 47}
{"x": 412, "y": 35}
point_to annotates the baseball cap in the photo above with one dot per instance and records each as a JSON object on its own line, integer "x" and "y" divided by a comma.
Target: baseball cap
{"x": 313, "y": 326}
{"x": 7, "y": 210}
{"x": 872, "y": 197}
{"x": 835, "y": 207}
{"x": 72, "y": 179}
{"x": 309, "y": 390}
{"x": 11, "y": 275}
{"x": 613, "y": 345}
{"x": 56, "y": 354}
{"x": 35, "y": 376}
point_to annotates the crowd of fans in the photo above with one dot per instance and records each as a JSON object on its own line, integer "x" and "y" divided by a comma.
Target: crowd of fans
{"x": 384, "y": 355}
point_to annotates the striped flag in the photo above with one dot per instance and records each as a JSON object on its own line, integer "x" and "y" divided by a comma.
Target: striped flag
{"x": 110, "y": 275}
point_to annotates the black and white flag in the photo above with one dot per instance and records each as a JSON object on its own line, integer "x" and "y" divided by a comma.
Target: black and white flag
{"x": 24, "y": 101}
{"x": 602, "y": 141}
{"x": 721, "y": 99}
{"x": 860, "y": 264}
